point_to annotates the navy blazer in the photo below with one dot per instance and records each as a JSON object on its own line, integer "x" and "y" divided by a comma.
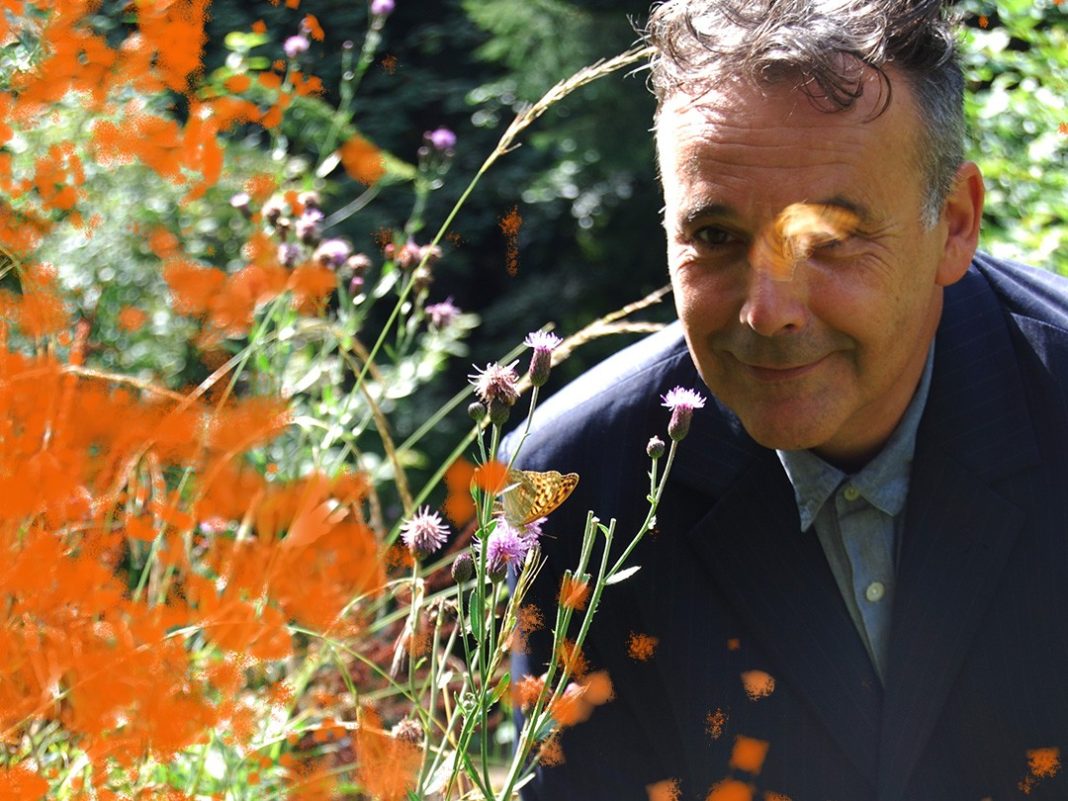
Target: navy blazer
{"x": 977, "y": 682}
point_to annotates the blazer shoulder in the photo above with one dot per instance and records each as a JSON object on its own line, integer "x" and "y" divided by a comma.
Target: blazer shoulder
{"x": 1027, "y": 293}
{"x": 627, "y": 383}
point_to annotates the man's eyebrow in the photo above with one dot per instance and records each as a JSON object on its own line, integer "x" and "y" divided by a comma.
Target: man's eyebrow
{"x": 726, "y": 211}
{"x": 707, "y": 210}
{"x": 841, "y": 202}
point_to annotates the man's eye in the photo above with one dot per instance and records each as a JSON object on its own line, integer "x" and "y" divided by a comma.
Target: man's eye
{"x": 713, "y": 236}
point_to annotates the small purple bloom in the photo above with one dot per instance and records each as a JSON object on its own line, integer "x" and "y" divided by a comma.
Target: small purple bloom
{"x": 506, "y": 547}
{"x": 441, "y": 139}
{"x": 241, "y": 201}
{"x": 532, "y": 530}
{"x": 295, "y": 46}
{"x": 274, "y": 208}
{"x": 382, "y": 7}
{"x": 333, "y": 252}
{"x": 497, "y": 383}
{"x": 430, "y": 252}
{"x": 541, "y": 361}
{"x": 309, "y": 226}
{"x": 409, "y": 255}
{"x": 425, "y": 533}
{"x": 288, "y": 254}
{"x": 682, "y": 402}
{"x": 358, "y": 263}
{"x": 442, "y": 314}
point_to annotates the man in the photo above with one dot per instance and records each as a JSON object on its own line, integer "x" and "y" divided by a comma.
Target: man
{"x": 858, "y": 585}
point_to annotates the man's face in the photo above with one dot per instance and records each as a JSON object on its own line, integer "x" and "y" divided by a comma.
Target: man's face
{"x": 828, "y": 359}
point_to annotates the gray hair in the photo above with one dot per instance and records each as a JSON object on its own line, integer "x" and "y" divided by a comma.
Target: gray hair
{"x": 826, "y": 46}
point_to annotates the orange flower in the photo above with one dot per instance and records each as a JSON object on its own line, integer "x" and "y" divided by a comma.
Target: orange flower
{"x": 571, "y": 707}
{"x": 667, "y": 790}
{"x": 714, "y": 723}
{"x": 388, "y": 767}
{"x": 730, "y": 790}
{"x": 748, "y": 754}
{"x": 362, "y": 160}
{"x": 131, "y": 318}
{"x": 758, "y": 684}
{"x": 527, "y": 690}
{"x": 571, "y": 658}
{"x": 641, "y": 647}
{"x": 315, "y": 30}
{"x": 491, "y": 477}
{"x": 574, "y": 593}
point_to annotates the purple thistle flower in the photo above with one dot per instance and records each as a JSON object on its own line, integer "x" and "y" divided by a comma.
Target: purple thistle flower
{"x": 288, "y": 254}
{"x": 425, "y": 533}
{"x": 505, "y": 547}
{"x": 274, "y": 208}
{"x": 441, "y": 139}
{"x": 541, "y": 361}
{"x": 496, "y": 384}
{"x": 358, "y": 263}
{"x": 532, "y": 530}
{"x": 682, "y": 402}
{"x": 308, "y": 226}
{"x": 295, "y": 46}
{"x": 382, "y": 7}
{"x": 333, "y": 252}
{"x": 442, "y": 314}
{"x": 431, "y": 253}
{"x": 409, "y": 255}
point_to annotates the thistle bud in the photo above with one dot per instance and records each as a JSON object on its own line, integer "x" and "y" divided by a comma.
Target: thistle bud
{"x": 541, "y": 361}
{"x": 499, "y": 412}
{"x": 655, "y": 448}
{"x": 463, "y": 568}
{"x": 476, "y": 411}
{"x": 497, "y": 571}
{"x": 682, "y": 402}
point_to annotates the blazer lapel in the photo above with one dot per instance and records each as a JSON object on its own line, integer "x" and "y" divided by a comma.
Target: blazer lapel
{"x": 779, "y": 583}
{"x": 976, "y": 432}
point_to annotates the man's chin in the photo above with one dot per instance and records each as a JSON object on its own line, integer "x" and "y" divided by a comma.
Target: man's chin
{"x": 778, "y": 437}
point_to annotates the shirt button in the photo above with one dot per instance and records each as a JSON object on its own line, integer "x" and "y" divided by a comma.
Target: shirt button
{"x": 851, "y": 493}
{"x": 875, "y": 591}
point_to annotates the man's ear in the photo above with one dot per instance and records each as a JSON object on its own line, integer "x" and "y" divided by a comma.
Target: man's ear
{"x": 961, "y": 214}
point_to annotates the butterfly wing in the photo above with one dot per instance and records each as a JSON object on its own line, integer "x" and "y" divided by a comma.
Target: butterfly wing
{"x": 535, "y": 494}
{"x": 798, "y": 230}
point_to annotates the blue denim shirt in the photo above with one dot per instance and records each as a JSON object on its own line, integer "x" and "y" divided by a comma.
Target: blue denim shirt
{"x": 858, "y": 519}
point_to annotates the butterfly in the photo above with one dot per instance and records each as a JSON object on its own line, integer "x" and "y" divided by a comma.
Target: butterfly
{"x": 532, "y": 494}
{"x": 798, "y": 230}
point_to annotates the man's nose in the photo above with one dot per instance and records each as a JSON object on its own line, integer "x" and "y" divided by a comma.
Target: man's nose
{"x": 773, "y": 306}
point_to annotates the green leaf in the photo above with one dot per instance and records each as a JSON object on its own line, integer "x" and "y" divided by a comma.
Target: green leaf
{"x": 474, "y": 619}
{"x": 244, "y": 41}
{"x": 501, "y": 688}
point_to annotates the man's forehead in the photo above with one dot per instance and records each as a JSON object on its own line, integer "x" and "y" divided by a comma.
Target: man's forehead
{"x": 724, "y": 98}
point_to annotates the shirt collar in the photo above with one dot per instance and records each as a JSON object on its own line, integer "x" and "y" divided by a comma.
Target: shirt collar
{"x": 883, "y": 482}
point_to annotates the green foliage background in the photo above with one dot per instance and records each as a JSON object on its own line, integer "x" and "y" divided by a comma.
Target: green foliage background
{"x": 583, "y": 178}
